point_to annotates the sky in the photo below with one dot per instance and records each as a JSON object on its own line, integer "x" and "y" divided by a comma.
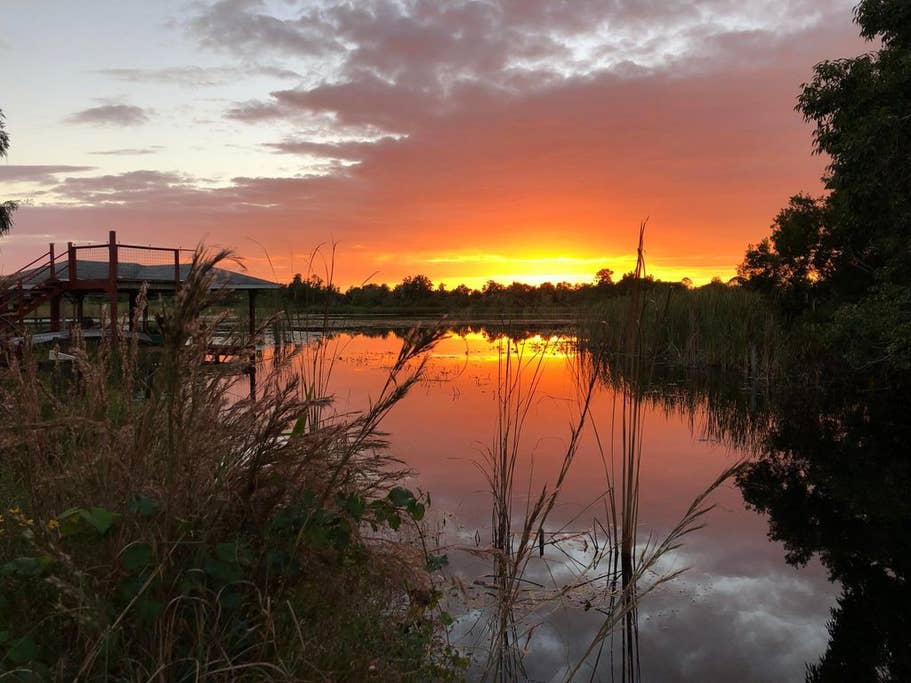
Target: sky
{"x": 466, "y": 140}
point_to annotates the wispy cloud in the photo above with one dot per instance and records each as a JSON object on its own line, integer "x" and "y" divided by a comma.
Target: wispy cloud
{"x": 41, "y": 174}
{"x": 198, "y": 76}
{"x": 129, "y": 151}
{"x": 111, "y": 115}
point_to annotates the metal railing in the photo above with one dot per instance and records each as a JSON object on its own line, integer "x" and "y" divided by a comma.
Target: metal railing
{"x": 44, "y": 269}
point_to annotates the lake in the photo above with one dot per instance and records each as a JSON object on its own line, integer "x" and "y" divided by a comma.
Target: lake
{"x": 738, "y": 610}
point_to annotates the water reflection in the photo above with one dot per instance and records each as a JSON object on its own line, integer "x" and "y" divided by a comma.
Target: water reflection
{"x": 834, "y": 482}
{"x": 740, "y": 609}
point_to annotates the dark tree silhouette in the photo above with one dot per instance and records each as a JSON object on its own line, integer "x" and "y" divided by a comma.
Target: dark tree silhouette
{"x": 834, "y": 483}
{"x": 6, "y": 207}
{"x": 857, "y": 236}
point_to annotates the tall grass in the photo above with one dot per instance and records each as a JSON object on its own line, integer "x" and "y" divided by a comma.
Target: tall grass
{"x": 624, "y": 566}
{"x": 160, "y": 525}
{"x": 712, "y": 328}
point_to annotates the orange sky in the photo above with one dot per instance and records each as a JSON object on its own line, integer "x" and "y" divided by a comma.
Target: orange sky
{"x": 514, "y": 140}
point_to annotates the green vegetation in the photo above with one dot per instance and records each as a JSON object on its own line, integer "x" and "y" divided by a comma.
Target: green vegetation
{"x": 715, "y": 328}
{"x": 159, "y": 526}
{"x": 841, "y": 264}
{"x": 6, "y": 207}
{"x": 416, "y": 295}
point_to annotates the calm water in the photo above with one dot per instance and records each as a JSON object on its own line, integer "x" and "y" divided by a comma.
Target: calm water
{"x": 738, "y": 612}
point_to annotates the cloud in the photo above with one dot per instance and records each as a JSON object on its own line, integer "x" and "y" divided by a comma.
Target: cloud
{"x": 43, "y": 175}
{"x": 111, "y": 115}
{"x": 247, "y": 28}
{"x": 525, "y": 128}
{"x": 134, "y": 188}
{"x": 197, "y": 76}
{"x": 347, "y": 149}
{"x": 130, "y": 151}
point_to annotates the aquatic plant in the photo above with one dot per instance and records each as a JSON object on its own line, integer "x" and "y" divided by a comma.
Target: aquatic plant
{"x": 161, "y": 524}
{"x": 624, "y": 566}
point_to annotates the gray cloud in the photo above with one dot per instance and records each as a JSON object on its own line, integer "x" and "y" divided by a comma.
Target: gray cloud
{"x": 243, "y": 26}
{"x": 135, "y": 188}
{"x": 348, "y": 149}
{"x": 197, "y": 76}
{"x": 43, "y": 175}
{"x": 401, "y": 65}
{"x": 110, "y": 115}
{"x": 130, "y": 151}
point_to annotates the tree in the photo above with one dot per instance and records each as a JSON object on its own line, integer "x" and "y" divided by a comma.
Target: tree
{"x": 604, "y": 277}
{"x": 797, "y": 256}
{"x": 492, "y": 288}
{"x": 861, "y": 108}
{"x": 7, "y": 207}
{"x": 414, "y": 288}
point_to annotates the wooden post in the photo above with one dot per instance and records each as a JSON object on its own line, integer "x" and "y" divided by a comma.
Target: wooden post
{"x": 55, "y": 301}
{"x": 21, "y": 302}
{"x": 71, "y": 261}
{"x": 80, "y": 312}
{"x": 55, "y": 313}
{"x": 251, "y": 302}
{"x": 251, "y": 293}
{"x": 176, "y": 269}
{"x": 112, "y": 279}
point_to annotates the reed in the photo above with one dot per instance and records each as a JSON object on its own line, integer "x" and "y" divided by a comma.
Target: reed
{"x": 715, "y": 328}
{"x": 624, "y": 567}
{"x": 629, "y": 362}
{"x": 164, "y": 525}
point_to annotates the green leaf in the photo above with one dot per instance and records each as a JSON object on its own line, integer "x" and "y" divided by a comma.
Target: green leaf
{"x": 353, "y": 504}
{"x": 225, "y": 572}
{"x": 22, "y": 651}
{"x": 4, "y": 636}
{"x": 25, "y": 566}
{"x": 446, "y": 619}
{"x": 400, "y": 497}
{"x": 416, "y": 510}
{"x": 136, "y": 556}
{"x": 436, "y": 562}
{"x": 130, "y": 587}
{"x": 102, "y": 520}
{"x": 300, "y": 426}
{"x": 231, "y": 600}
{"x": 143, "y": 505}
{"x": 148, "y": 610}
{"x": 235, "y": 552}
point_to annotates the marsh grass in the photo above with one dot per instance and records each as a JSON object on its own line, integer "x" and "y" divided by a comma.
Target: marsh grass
{"x": 162, "y": 526}
{"x": 624, "y": 566}
{"x": 715, "y": 328}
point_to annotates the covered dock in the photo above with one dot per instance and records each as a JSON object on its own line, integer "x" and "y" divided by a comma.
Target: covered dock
{"x": 114, "y": 271}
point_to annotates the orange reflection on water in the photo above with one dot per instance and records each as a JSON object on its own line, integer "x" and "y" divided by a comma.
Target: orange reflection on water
{"x": 738, "y": 589}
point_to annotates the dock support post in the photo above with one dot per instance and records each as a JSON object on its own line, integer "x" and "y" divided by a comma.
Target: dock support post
{"x": 251, "y": 311}
{"x": 112, "y": 279}
{"x": 80, "y": 312}
{"x": 55, "y": 314}
{"x": 251, "y": 306}
{"x": 70, "y": 262}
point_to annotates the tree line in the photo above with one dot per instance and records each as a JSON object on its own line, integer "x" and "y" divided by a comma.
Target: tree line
{"x": 841, "y": 262}
{"x": 419, "y": 292}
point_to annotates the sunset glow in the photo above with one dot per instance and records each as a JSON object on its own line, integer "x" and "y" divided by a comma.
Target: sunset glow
{"x": 511, "y": 140}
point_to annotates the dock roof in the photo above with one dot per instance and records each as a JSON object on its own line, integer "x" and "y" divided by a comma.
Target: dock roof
{"x": 131, "y": 275}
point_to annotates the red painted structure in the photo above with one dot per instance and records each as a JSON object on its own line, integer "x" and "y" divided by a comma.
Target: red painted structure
{"x": 51, "y": 276}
